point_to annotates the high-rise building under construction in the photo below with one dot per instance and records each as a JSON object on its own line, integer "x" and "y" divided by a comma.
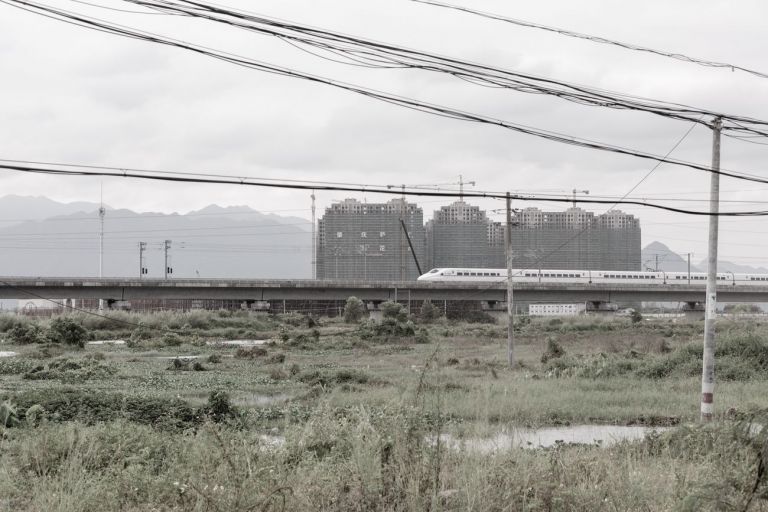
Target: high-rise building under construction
{"x": 366, "y": 241}
{"x": 575, "y": 239}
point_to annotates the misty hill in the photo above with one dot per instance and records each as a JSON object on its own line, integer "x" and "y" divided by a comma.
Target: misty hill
{"x": 212, "y": 242}
{"x": 668, "y": 260}
{"x": 17, "y": 209}
{"x": 727, "y": 266}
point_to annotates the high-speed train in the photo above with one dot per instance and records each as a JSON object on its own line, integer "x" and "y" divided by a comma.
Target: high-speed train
{"x": 589, "y": 276}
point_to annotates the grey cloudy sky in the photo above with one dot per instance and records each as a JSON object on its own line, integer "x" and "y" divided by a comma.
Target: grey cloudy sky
{"x": 73, "y": 95}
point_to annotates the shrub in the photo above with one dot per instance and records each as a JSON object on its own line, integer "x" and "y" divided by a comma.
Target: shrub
{"x": 214, "y": 358}
{"x": 67, "y": 331}
{"x": 171, "y": 339}
{"x": 35, "y": 415}
{"x": 554, "y": 350}
{"x": 8, "y": 416}
{"x": 88, "y": 407}
{"x": 393, "y": 310}
{"x": 354, "y": 310}
{"x": 429, "y": 312}
{"x": 26, "y": 333}
{"x": 219, "y": 407}
{"x": 635, "y": 316}
{"x": 71, "y": 371}
{"x": 250, "y": 352}
{"x": 276, "y": 359}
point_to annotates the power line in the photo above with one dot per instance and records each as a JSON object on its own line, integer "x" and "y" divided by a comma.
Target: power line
{"x": 388, "y": 56}
{"x": 598, "y": 39}
{"x": 401, "y": 101}
{"x": 359, "y": 188}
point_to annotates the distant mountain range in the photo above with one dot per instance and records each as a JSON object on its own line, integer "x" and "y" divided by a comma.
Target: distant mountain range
{"x": 669, "y": 261}
{"x": 41, "y": 237}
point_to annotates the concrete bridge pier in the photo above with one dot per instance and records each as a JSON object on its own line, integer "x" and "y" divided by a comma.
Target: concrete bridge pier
{"x": 496, "y": 309}
{"x": 374, "y": 313}
{"x": 693, "y": 311}
{"x": 601, "y": 307}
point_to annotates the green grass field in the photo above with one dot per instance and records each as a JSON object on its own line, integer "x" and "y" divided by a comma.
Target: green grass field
{"x": 328, "y": 415}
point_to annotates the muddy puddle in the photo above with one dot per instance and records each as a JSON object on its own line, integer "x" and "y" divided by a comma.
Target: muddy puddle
{"x": 8, "y": 354}
{"x": 106, "y": 342}
{"x": 599, "y": 435}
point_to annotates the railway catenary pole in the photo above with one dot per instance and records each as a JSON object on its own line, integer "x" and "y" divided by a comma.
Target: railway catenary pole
{"x": 510, "y": 305}
{"x": 708, "y": 356}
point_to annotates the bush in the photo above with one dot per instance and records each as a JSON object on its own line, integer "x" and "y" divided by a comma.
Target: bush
{"x": 71, "y": 371}
{"x": 35, "y": 415}
{"x": 429, "y": 312}
{"x": 171, "y": 339}
{"x": 635, "y": 316}
{"x": 24, "y": 333}
{"x": 88, "y": 407}
{"x": 387, "y": 328}
{"x": 553, "y": 351}
{"x": 67, "y": 331}
{"x": 354, "y": 310}
{"x": 219, "y": 407}
{"x": 394, "y": 311}
{"x": 250, "y": 352}
{"x": 8, "y": 416}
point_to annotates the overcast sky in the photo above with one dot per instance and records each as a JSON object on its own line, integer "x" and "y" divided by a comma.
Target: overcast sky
{"x": 77, "y": 96}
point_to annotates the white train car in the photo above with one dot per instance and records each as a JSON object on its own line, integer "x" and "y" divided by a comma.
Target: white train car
{"x": 590, "y": 276}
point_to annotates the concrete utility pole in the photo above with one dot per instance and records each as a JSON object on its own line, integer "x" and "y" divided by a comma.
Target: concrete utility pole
{"x": 689, "y": 268}
{"x": 102, "y": 212}
{"x": 142, "y": 268}
{"x": 708, "y": 358}
{"x": 510, "y": 306}
{"x": 314, "y": 239}
{"x": 166, "y": 248}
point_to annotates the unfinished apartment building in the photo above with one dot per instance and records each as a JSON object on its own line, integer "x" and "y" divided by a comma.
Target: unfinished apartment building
{"x": 366, "y": 241}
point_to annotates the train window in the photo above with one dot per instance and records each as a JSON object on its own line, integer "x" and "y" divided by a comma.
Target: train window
{"x": 459, "y": 273}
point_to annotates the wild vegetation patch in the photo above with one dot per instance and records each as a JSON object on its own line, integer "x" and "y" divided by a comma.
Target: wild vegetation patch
{"x": 740, "y": 356}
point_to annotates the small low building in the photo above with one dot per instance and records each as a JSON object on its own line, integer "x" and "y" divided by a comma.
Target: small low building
{"x": 556, "y": 309}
